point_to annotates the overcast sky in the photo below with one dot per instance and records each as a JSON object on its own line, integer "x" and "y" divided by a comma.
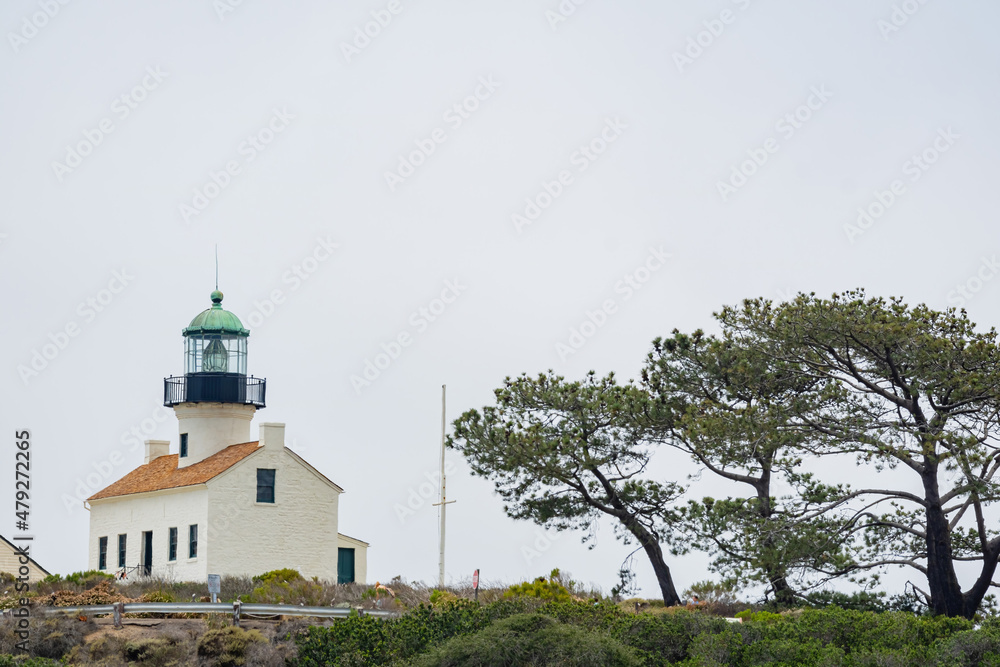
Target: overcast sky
{"x": 530, "y": 162}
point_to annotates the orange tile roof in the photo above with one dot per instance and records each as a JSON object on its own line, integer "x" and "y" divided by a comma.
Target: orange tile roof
{"x": 163, "y": 473}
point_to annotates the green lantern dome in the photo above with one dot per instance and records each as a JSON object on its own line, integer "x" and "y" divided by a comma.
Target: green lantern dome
{"x": 215, "y": 362}
{"x": 216, "y": 320}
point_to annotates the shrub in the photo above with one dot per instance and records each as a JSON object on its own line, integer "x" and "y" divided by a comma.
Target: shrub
{"x": 667, "y": 638}
{"x": 88, "y": 579}
{"x": 971, "y": 648}
{"x": 50, "y": 636}
{"x": 369, "y": 640}
{"x": 439, "y": 598}
{"x": 228, "y": 646}
{"x": 158, "y": 652}
{"x": 284, "y": 574}
{"x": 541, "y": 588}
{"x": 531, "y": 639}
{"x": 103, "y": 650}
{"x": 759, "y": 616}
{"x": 157, "y": 596}
{"x": 295, "y": 591}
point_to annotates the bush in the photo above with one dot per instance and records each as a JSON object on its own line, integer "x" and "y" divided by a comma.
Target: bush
{"x": 439, "y": 598}
{"x": 228, "y": 646}
{"x": 50, "y": 636}
{"x": 531, "y": 639}
{"x": 161, "y": 651}
{"x": 103, "y": 650}
{"x": 461, "y": 630}
{"x": 85, "y": 579}
{"x": 541, "y": 588}
{"x": 971, "y": 648}
{"x": 369, "y": 640}
{"x": 157, "y": 596}
{"x": 667, "y": 638}
{"x": 296, "y": 591}
{"x": 284, "y": 574}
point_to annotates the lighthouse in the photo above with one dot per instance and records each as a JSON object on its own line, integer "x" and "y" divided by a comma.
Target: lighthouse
{"x": 215, "y": 500}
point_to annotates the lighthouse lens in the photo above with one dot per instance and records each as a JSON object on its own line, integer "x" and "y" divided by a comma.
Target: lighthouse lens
{"x": 216, "y": 359}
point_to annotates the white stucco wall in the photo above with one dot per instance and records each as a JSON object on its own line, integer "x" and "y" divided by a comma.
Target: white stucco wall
{"x": 157, "y": 511}
{"x": 298, "y": 530}
{"x": 211, "y": 427}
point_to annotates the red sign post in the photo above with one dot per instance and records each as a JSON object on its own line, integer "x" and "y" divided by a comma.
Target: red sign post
{"x": 475, "y": 584}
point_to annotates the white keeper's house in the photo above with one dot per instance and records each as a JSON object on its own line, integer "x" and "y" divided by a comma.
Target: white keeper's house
{"x": 221, "y": 503}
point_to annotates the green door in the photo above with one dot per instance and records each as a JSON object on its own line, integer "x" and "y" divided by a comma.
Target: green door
{"x": 345, "y": 566}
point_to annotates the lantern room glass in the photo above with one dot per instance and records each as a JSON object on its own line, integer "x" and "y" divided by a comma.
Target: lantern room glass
{"x": 215, "y": 353}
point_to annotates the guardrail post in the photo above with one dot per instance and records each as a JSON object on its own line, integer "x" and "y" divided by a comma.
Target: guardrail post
{"x": 236, "y": 613}
{"x": 119, "y": 609}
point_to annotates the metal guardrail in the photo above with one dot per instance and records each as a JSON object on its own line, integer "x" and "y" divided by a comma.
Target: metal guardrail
{"x": 237, "y": 609}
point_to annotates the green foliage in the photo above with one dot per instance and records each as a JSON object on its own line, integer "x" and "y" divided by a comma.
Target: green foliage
{"x": 759, "y": 616}
{"x": 711, "y": 592}
{"x": 732, "y": 409}
{"x": 971, "y": 648}
{"x": 531, "y": 639}
{"x": 158, "y": 596}
{"x": 285, "y": 586}
{"x": 277, "y": 590}
{"x": 87, "y": 579}
{"x": 368, "y": 640}
{"x": 939, "y": 379}
{"x": 439, "y": 597}
{"x": 283, "y": 575}
{"x": 866, "y": 601}
{"x": 665, "y": 638}
{"x": 541, "y": 588}
{"x": 227, "y": 647}
{"x": 834, "y": 637}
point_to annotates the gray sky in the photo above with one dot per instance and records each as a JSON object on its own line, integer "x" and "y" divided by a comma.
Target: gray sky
{"x": 739, "y": 137}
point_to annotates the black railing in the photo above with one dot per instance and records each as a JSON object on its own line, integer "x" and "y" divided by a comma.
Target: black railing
{"x": 214, "y": 388}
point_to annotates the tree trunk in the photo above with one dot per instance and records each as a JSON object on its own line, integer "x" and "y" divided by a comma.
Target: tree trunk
{"x": 942, "y": 582}
{"x": 974, "y": 597}
{"x": 783, "y": 593}
{"x": 652, "y": 548}
{"x": 655, "y": 555}
{"x": 775, "y": 571}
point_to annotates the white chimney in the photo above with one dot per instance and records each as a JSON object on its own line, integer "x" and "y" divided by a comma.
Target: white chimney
{"x": 156, "y": 449}
{"x": 272, "y": 435}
